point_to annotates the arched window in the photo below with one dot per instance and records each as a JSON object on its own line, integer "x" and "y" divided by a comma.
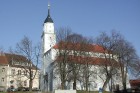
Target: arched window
{"x": 3, "y": 70}
{"x": 12, "y": 81}
{"x": 2, "y": 80}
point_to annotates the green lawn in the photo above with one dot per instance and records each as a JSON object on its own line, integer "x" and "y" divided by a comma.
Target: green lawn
{"x": 90, "y": 91}
{"x": 20, "y": 92}
{"x": 78, "y": 91}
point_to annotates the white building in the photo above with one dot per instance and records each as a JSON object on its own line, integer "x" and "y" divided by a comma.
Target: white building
{"x": 13, "y": 73}
{"x": 50, "y": 51}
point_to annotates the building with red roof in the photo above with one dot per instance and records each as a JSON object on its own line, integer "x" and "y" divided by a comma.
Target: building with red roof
{"x": 55, "y": 55}
{"x": 13, "y": 73}
{"x": 135, "y": 84}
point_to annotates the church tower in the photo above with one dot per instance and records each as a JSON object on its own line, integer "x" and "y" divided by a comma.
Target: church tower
{"x": 48, "y": 41}
{"x": 48, "y": 35}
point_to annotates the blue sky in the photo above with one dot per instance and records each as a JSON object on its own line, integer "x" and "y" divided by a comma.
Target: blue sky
{"x": 86, "y": 17}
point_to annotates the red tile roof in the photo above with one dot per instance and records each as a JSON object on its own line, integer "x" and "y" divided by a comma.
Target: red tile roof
{"x": 6, "y": 59}
{"x": 86, "y": 48}
{"x": 135, "y": 83}
{"x": 15, "y": 57}
{"x": 88, "y": 60}
{"x": 78, "y": 46}
{"x": 3, "y": 60}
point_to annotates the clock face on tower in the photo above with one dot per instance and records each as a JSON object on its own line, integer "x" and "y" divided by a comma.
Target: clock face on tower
{"x": 49, "y": 28}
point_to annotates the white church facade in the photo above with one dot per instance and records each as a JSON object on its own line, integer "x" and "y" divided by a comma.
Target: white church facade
{"x": 50, "y": 81}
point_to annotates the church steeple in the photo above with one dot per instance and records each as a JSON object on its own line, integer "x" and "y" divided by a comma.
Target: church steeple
{"x": 48, "y": 35}
{"x": 48, "y": 41}
{"x": 48, "y": 19}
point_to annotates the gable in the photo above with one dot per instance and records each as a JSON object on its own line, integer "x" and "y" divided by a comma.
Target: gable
{"x": 3, "y": 60}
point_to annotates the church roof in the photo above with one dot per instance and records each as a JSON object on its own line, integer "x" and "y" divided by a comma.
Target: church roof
{"x": 48, "y": 19}
{"x": 89, "y": 60}
{"x": 80, "y": 47}
{"x": 83, "y": 59}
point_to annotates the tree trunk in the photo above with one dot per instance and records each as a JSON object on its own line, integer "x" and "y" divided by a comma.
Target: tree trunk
{"x": 124, "y": 85}
{"x": 106, "y": 82}
{"x": 124, "y": 79}
{"x": 74, "y": 85}
{"x": 62, "y": 85}
{"x": 87, "y": 84}
{"x": 30, "y": 84}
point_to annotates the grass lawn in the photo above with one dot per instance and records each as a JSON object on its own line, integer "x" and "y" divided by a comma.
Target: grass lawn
{"x": 91, "y": 91}
{"x": 20, "y": 92}
{"x": 78, "y": 91}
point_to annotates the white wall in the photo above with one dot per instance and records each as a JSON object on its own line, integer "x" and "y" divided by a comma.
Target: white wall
{"x": 8, "y": 76}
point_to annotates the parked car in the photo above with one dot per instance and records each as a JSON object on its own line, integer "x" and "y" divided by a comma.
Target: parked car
{"x": 11, "y": 89}
{"x": 21, "y": 89}
{"x": 35, "y": 89}
{"x": 27, "y": 89}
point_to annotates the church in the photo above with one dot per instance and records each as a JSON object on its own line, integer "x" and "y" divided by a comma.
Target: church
{"x": 51, "y": 81}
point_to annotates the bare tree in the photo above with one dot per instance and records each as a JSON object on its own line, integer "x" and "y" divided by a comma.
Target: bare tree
{"x": 73, "y": 50}
{"x": 136, "y": 70}
{"x": 127, "y": 58}
{"x": 75, "y": 60}
{"x": 108, "y": 44}
{"x": 62, "y": 53}
{"x": 81, "y": 59}
{"x": 32, "y": 53}
{"x": 70, "y": 61}
{"x": 120, "y": 50}
{"x": 1, "y": 49}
